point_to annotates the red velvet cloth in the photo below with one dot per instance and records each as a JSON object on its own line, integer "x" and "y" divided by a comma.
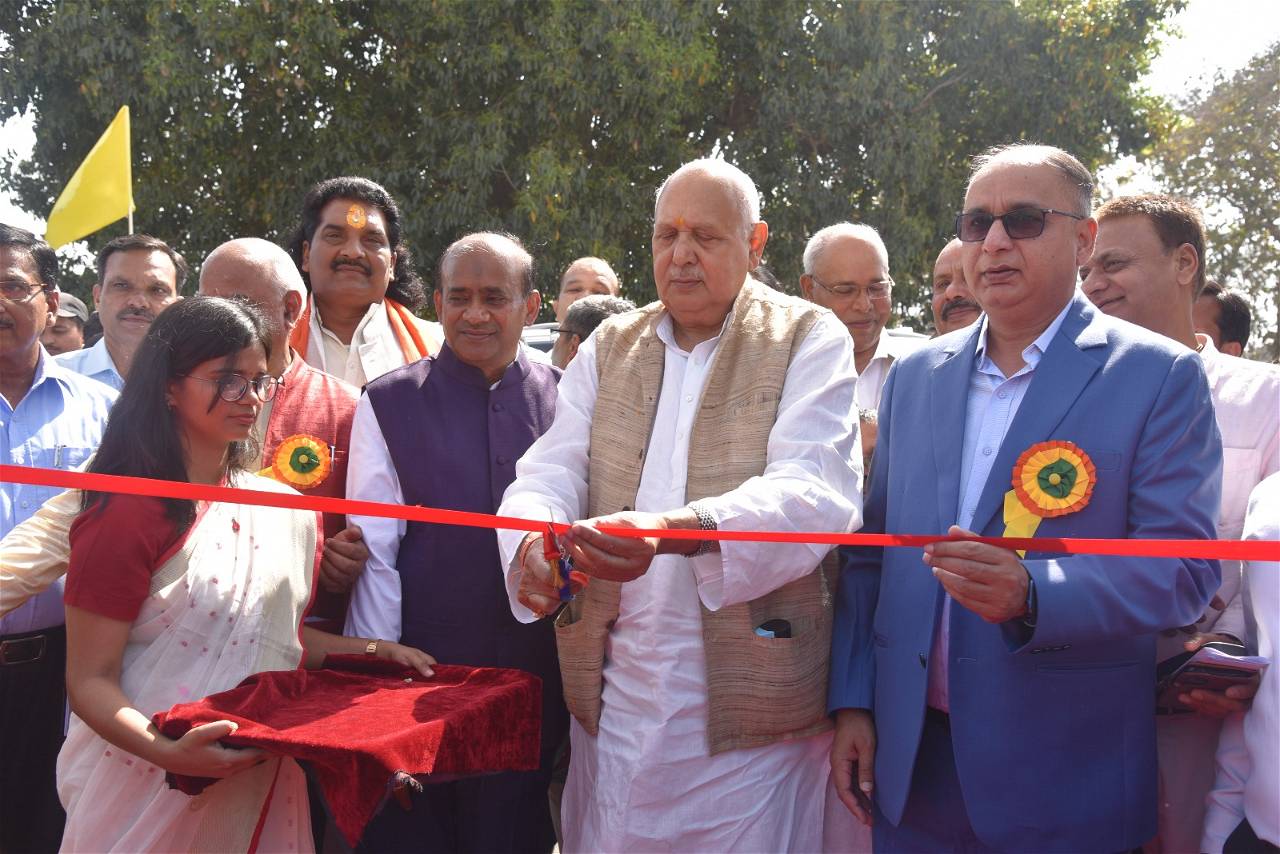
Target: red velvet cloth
{"x": 359, "y": 724}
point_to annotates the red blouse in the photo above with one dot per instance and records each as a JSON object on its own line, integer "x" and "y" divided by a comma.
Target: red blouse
{"x": 115, "y": 549}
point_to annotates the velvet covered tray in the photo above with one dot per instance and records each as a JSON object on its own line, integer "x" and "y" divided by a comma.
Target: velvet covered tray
{"x": 362, "y": 724}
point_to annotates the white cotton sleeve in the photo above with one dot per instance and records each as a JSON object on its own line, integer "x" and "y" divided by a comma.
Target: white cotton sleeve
{"x": 371, "y": 476}
{"x": 811, "y": 480}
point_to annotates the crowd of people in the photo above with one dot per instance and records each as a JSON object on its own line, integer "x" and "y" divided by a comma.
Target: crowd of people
{"x": 1085, "y": 379}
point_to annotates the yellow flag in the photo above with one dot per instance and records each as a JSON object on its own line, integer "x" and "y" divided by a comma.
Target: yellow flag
{"x": 100, "y": 192}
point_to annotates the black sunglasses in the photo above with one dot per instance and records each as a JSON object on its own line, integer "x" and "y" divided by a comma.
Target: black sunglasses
{"x": 1019, "y": 223}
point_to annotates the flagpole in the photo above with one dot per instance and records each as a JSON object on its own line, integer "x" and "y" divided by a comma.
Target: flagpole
{"x": 131, "y": 221}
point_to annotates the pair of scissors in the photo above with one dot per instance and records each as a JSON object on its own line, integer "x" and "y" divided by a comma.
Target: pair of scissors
{"x": 561, "y": 564}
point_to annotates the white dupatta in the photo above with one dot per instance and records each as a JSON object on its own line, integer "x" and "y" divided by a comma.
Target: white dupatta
{"x": 227, "y": 605}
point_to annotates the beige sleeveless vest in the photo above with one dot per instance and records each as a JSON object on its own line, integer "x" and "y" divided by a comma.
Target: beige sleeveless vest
{"x": 759, "y": 690}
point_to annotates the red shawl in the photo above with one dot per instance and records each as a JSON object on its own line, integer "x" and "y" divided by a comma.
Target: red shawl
{"x": 361, "y": 722}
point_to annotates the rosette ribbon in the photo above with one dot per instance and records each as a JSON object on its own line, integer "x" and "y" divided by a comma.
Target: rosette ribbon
{"x": 1049, "y": 479}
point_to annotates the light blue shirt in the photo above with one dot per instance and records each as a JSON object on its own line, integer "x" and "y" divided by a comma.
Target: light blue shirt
{"x": 989, "y": 410}
{"x": 94, "y": 362}
{"x": 58, "y": 424}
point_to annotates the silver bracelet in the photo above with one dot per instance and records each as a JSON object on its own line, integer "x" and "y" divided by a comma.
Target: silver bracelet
{"x": 706, "y": 522}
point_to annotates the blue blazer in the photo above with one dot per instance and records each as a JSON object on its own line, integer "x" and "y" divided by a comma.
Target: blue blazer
{"x": 1054, "y": 738}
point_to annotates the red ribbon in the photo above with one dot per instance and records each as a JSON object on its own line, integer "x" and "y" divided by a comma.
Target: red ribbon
{"x": 1257, "y": 550}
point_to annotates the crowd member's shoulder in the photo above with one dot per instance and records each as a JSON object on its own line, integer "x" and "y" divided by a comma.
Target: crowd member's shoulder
{"x": 335, "y": 386}
{"x": 84, "y": 389}
{"x": 404, "y": 376}
{"x": 1126, "y": 340}
{"x": 911, "y": 350}
{"x": 901, "y": 341}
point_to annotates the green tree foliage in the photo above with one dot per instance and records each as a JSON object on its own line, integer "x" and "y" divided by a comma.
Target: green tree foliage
{"x": 556, "y": 119}
{"x": 1225, "y": 155}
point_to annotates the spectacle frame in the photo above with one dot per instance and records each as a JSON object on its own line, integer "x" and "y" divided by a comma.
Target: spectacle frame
{"x": 876, "y": 291}
{"x": 1019, "y": 223}
{"x": 16, "y": 290}
{"x": 232, "y": 387}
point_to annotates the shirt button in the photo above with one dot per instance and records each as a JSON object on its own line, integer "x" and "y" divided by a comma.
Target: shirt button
{"x": 497, "y": 407}
{"x": 986, "y": 452}
{"x": 502, "y": 461}
{"x": 678, "y": 436}
{"x": 1002, "y": 395}
{"x": 688, "y": 398}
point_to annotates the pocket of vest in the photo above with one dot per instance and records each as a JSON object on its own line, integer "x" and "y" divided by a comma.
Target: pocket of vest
{"x": 771, "y": 686}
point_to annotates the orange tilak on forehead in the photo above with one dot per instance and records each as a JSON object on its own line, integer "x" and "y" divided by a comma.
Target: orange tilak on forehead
{"x": 680, "y": 223}
{"x": 356, "y": 217}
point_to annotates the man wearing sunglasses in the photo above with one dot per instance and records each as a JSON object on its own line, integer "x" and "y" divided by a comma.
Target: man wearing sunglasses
{"x": 50, "y": 417}
{"x": 1148, "y": 268}
{"x": 1002, "y": 701}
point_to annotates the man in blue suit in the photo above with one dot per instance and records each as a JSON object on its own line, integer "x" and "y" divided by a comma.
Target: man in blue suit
{"x": 987, "y": 701}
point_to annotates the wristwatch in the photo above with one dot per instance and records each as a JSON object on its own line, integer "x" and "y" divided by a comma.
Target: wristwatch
{"x": 1029, "y": 618}
{"x": 706, "y": 522}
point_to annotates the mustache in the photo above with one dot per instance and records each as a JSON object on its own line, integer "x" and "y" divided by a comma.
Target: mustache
{"x": 356, "y": 265}
{"x": 959, "y": 305}
{"x": 137, "y": 312}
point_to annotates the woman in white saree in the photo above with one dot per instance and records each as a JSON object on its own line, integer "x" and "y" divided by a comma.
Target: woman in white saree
{"x": 169, "y": 601}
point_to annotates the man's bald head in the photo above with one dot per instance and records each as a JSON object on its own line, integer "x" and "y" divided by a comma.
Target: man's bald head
{"x": 584, "y": 277}
{"x": 251, "y": 262}
{"x": 261, "y": 273}
{"x": 503, "y": 246}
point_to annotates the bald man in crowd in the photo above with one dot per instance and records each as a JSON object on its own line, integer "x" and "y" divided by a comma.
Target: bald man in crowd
{"x": 953, "y": 304}
{"x": 309, "y": 405}
{"x": 582, "y": 278}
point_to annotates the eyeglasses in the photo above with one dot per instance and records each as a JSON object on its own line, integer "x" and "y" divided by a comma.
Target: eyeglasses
{"x": 16, "y": 290}
{"x": 232, "y": 387}
{"x": 1019, "y": 223}
{"x": 876, "y": 291}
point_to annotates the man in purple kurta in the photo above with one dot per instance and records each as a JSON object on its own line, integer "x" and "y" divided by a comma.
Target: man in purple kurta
{"x": 446, "y": 432}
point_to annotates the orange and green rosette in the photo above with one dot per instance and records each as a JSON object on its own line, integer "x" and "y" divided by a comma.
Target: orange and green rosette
{"x": 301, "y": 461}
{"x": 1054, "y": 478}
{"x": 1050, "y": 479}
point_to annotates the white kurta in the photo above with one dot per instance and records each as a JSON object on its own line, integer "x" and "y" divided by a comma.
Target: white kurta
{"x": 1246, "y": 403}
{"x": 646, "y": 781}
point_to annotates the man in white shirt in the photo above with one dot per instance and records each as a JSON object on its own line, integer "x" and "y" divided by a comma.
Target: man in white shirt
{"x": 138, "y": 277}
{"x": 1242, "y": 815}
{"x": 846, "y": 269}
{"x": 726, "y": 405}
{"x": 359, "y": 322}
{"x": 1148, "y": 268}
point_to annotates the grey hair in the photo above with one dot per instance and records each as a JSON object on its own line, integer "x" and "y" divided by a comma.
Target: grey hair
{"x": 499, "y": 243}
{"x": 1078, "y": 178}
{"x": 744, "y": 189}
{"x": 818, "y": 243}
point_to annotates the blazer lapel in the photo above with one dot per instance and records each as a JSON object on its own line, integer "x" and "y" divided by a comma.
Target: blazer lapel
{"x": 948, "y": 393}
{"x": 1062, "y": 374}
